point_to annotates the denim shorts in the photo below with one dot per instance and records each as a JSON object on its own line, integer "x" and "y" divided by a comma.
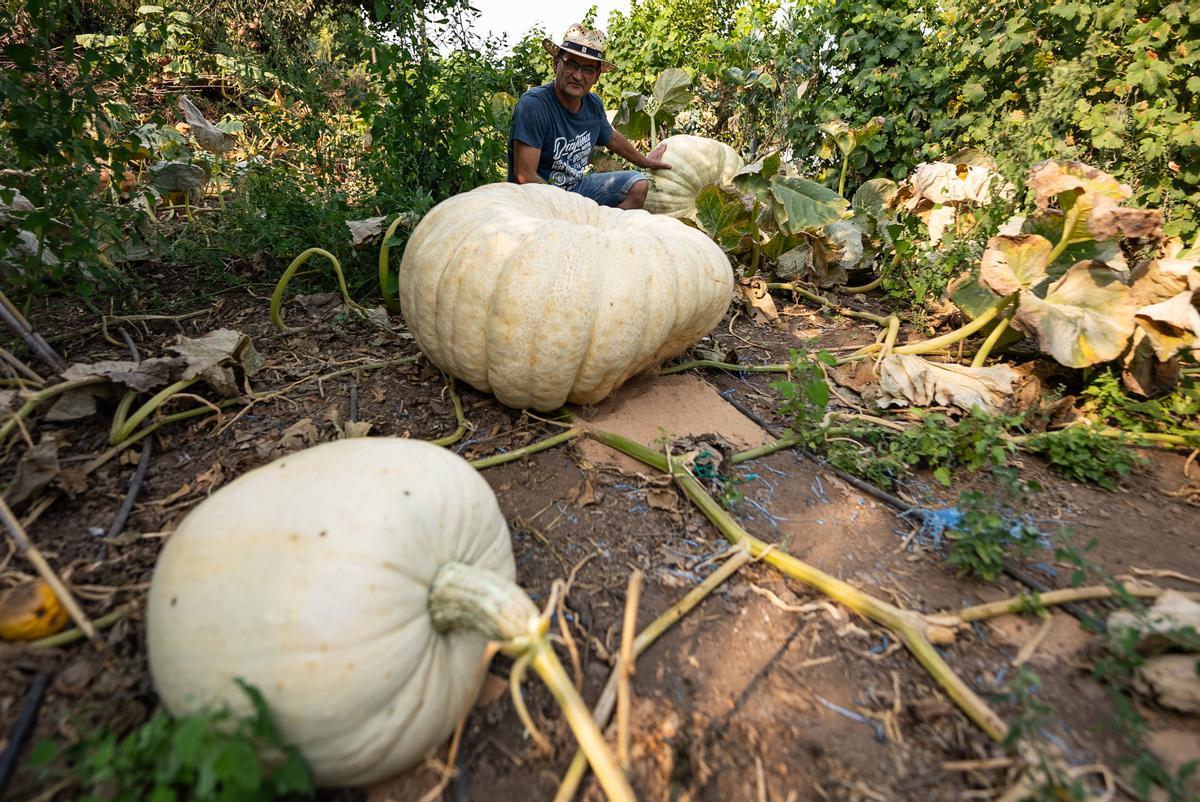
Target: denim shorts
{"x": 609, "y": 189}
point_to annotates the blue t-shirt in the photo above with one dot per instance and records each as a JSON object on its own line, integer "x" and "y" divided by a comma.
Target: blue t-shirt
{"x": 565, "y": 138}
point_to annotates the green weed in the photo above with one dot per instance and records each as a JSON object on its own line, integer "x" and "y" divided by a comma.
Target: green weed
{"x": 200, "y": 758}
{"x": 1082, "y": 454}
{"x": 987, "y": 532}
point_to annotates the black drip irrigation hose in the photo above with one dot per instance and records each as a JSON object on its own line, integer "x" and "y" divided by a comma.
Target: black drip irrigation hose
{"x": 905, "y": 509}
{"x": 139, "y": 475}
{"x": 23, "y": 728}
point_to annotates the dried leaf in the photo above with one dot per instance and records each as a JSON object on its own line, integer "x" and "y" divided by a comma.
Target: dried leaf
{"x": 1086, "y": 317}
{"x": 1169, "y": 273}
{"x": 1171, "y": 680}
{"x": 75, "y": 404}
{"x": 211, "y": 138}
{"x": 215, "y": 356}
{"x": 1098, "y": 196}
{"x": 19, "y": 203}
{"x": 363, "y": 231}
{"x": 1144, "y": 373}
{"x": 1172, "y": 325}
{"x": 905, "y": 379}
{"x": 143, "y": 376}
{"x": 948, "y": 183}
{"x": 1013, "y": 263}
{"x": 754, "y": 292}
{"x": 37, "y": 468}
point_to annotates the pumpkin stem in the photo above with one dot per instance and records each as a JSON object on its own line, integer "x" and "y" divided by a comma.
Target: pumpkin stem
{"x": 468, "y": 597}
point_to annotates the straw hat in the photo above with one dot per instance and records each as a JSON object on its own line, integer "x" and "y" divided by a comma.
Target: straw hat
{"x": 583, "y": 42}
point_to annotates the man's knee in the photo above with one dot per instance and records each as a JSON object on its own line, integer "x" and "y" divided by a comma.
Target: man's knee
{"x": 635, "y": 198}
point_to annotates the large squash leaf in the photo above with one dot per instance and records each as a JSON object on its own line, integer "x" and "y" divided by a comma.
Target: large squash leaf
{"x": 756, "y": 178}
{"x": 722, "y": 218}
{"x": 1097, "y": 196}
{"x": 1171, "y": 325}
{"x": 1169, "y": 273}
{"x": 672, "y": 90}
{"x": 1049, "y": 224}
{"x": 1014, "y": 263}
{"x": 1086, "y": 317}
{"x": 802, "y": 204}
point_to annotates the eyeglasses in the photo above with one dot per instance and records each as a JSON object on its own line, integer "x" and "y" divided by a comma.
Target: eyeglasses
{"x": 586, "y": 70}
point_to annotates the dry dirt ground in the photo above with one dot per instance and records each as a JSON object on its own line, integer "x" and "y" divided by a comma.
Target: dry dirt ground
{"x": 758, "y": 694}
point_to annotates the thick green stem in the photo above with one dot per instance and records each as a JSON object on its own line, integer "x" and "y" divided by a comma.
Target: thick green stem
{"x": 525, "y": 451}
{"x": 1068, "y": 226}
{"x": 468, "y": 597}
{"x": 120, "y": 415}
{"x": 457, "y": 434}
{"x": 277, "y": 296}
{"x": 787, "y": 441}
{"x": 908, "y": 626}
{"x": 887, "y": 269}
{"x": 889, "y": 338}
{"x": 756, "y": 252}
{"x": 842, "y": 180}
{"x": 950, "y": 338}
{"x": 385, "y": 249}
{"x": 1049, "y": 599}
{"x": 993, "y": 337}
{"x": 69, "y": 636}
{"x": 127, "y": 427}
{"x": 32, "y": 402}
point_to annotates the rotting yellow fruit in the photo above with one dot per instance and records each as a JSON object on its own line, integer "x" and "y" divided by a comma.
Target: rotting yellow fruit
{"x": 541, "y": 296}
{"x": 696, "y": 163}
{"x": 30, "y": 611}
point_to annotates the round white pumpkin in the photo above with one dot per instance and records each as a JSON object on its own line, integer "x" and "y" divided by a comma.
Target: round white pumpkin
{"x": 696, "y": 162}
{"x": 542, "y": 296}
{"x": 307, "y": 578}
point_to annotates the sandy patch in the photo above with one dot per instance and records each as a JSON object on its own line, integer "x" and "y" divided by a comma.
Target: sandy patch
{"x": 1067, "y": 639}
{"x": 677, "y": 406}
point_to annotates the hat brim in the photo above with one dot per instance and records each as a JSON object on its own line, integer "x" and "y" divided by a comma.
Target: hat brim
{"x": 553, "y": 49}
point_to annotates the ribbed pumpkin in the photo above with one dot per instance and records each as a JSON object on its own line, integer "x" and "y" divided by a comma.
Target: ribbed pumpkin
{"x": 542, "y": 296}
{"x": 310, "y": 579}
{"x": 696, "y": 163}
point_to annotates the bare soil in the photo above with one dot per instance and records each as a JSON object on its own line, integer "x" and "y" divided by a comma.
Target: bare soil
{"x": 758, "y": 694}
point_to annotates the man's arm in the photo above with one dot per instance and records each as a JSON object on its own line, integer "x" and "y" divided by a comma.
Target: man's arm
{"x": 621, "y": 146}
{"x": 525, "y": 163}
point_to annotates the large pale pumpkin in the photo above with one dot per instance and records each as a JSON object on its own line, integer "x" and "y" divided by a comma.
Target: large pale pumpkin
{"x": 696, "y": 162}
{"x": 309, "y": 578}
{"x": 542, "y": 296}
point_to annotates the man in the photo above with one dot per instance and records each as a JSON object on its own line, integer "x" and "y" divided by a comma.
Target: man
{"x": 555, "y": 127}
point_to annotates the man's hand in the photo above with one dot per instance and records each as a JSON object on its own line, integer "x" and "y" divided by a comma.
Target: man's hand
{"x": 653, "y": 159}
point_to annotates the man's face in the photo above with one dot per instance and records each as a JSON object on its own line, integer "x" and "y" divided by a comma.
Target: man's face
{"x": 575, "y": 76}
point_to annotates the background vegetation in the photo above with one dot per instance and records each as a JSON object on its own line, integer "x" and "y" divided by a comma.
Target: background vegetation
{"x": 347, "y": 110}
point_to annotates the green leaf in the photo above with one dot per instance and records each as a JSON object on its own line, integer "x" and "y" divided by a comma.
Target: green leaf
{"x": 238, "y": 765}
{"x": 187, "y": 743}
{"x": 723, "y": 219}
{"x": 293, "y": 776}
{"x": 756, "y": 177}
{"x": 802, "y": 204}
{"x": 1086, "y": 318}
{"x": 672, "y": 90}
